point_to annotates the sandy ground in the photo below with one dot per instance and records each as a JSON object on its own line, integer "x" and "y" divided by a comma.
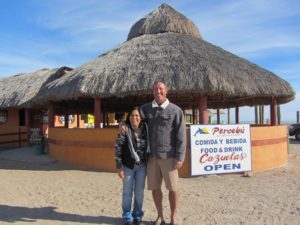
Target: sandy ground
{"x": 37, "y": 189}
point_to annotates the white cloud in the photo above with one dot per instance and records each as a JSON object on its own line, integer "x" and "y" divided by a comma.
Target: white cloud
{"x": 11, "y": 65}
{"x": 79, "y": 30}
{"x": 249, "y": 27}
{"x": 291, "y": 69}
{"x": 86, "y": 16}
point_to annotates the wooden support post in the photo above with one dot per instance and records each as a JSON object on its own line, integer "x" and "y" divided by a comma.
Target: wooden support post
{"x": 273, "y": 112}
{"x": 237, "y": 115}
{"x": 51, "y": 114}
{"x": 66, "y": 120}
{"x": 20, "y": 138}
{"x": 27, "y": 125}
{"x": 256, "y": 114}
{"x": 203, "y": 115}
{"x": 104, "y": 116}
{"x": 278, "y": 114}
{"x": 97, "y": 111}
{"x": 107, "y": 119}
{"x": 218, "y": 116}
{"x": 228, "y": 116}
{"x": 27, "y": 118}
{"x": 262, "y": 114}
{"x": 194, "y": 115}
{"x": 78, "y": 120}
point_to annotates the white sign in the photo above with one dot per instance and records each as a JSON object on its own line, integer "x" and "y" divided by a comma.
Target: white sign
{"x": 219, "y": 149}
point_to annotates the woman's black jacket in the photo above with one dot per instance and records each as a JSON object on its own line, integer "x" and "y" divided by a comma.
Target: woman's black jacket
{"x": 122, "y": 150}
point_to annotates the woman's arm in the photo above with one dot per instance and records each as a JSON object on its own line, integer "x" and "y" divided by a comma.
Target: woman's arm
{"x": 120, "y": 141}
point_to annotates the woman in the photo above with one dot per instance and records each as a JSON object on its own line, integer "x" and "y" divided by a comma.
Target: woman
{"x": 131, "y": 152}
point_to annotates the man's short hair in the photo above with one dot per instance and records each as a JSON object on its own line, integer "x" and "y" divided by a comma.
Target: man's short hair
{"x": 159, "y": 81}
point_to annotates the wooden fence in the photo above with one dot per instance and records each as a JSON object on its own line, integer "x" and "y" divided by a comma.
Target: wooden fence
{"x": 13, "y": 137}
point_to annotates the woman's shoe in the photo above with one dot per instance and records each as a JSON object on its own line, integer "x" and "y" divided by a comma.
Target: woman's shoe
{"x": 157, "y": 223}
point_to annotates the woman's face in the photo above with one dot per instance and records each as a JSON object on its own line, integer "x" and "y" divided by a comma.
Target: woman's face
{"x": 135, "y": 118}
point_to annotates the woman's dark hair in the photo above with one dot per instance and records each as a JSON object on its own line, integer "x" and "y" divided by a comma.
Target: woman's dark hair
{"x": 130, "y": 112}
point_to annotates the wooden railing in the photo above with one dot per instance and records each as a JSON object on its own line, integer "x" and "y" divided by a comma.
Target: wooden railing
{"x": 19, "y": 136}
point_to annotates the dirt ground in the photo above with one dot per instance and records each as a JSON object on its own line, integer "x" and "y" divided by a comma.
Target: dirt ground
{"x": 37, "y": 189}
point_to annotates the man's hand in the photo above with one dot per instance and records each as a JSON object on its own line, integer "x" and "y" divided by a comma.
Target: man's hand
{"x": 178, "y": 164}
{"x": 121, "y": 173}
{"x": 122, "y": 128}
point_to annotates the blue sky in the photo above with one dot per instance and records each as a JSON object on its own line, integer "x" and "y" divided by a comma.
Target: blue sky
{"x": 38, "y": 34}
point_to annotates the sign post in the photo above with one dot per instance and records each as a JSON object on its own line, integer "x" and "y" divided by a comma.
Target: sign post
{"x": 218, "y": 149}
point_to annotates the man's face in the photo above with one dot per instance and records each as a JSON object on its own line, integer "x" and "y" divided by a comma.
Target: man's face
{"x": 160, "y": 92}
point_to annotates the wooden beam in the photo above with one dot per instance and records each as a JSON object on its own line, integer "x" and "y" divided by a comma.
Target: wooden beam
{"x": 194, "y": 114}
{"x": 237, "y": 115}
{"x": 256, "y": 114}
{"x": 97, "y": 111}
{"x": 27, "y": 118}
{"x": 228, "y": 116}
{"x": 203, "y": 115}
{"x": 51, "y": 114}
{"x": 273, "y": 112}
{"x": 66, "y": 116}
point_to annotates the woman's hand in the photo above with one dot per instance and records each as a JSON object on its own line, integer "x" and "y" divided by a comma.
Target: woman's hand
{"x": 121, "y": 173}
{"x": 122, "y": 128}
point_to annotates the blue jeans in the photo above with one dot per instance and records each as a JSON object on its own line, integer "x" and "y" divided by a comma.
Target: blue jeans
{"x": 133, "y": 182}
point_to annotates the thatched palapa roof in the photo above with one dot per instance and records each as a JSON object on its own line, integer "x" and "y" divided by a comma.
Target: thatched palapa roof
{"x": 166, "y": 45}
{"x": 19, "y": 90}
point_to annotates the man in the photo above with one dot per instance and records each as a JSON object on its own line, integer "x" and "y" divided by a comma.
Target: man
{"x": 167, "y": 138}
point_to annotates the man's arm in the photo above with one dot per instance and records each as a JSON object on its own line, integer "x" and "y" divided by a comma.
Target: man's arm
{"x": 180, "y": 139}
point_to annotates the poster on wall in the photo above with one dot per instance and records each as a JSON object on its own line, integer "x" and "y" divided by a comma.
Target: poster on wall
{"x": 3, "y": 116}
{"x": 219, "y": 149}
{"x": 61, "y": 119}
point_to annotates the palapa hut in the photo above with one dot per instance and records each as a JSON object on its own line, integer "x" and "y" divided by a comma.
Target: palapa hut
{"x": 18, "y": 91}
{"x": 18, "y": 114}
{"x": 166, "y": 45}
{"x": 163, "y": 45}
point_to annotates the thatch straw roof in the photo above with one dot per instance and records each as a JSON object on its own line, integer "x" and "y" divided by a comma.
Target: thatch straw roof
{"x": 163, "y": 19}
{"x": 170, "y": 48}
{"x": 19, "y": 90}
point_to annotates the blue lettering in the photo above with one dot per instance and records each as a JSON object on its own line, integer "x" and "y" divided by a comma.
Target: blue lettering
{"x": 208, "y": 168}
{"x": 206, "y": 142}
{"x": 236, "y": 166}
{"x": 209, "y": 150}
{"x": 227, "y": 167}
{"x": 218, "y": 167}
{"x": 224, "y": 167}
